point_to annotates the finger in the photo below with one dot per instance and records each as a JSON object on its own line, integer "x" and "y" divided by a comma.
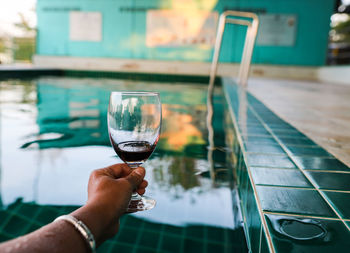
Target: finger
{"x": 117, "y": 170}
{"x": 143, "y": 184}
{"x": 136, "y": 177}
{"x": 141, "y": 191}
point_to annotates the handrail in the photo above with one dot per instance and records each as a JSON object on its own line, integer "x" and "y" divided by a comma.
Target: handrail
{"x": 243, "y": 70}
{"x": 248, "y": 44}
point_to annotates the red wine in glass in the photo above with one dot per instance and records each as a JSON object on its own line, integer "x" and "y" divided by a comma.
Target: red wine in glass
{"x": 134, "y": 121}
{"x": 133, "y": 153}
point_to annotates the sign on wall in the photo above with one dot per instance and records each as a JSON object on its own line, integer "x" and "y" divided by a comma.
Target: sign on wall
{"x": 276, "y": 30}
{"x": 85, "y": 26}
{"x": 172, "y": 28}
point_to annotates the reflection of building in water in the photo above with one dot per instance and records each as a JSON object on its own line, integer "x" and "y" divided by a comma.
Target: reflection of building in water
{"x": 74, "y": 116}
{"x": 73, "y": 113}
{"x": 180, "y": 128}
{"x": 178, "y": 174}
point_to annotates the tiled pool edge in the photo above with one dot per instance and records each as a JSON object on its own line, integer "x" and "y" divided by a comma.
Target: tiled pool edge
{"x": 245, "y": 185}
{"x": 278, "y": 154}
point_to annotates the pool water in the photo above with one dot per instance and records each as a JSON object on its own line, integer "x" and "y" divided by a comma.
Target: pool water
{"x": 54, "y": 133}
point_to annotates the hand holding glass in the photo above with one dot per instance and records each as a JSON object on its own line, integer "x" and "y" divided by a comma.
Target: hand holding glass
{"x": 134, "y": 121}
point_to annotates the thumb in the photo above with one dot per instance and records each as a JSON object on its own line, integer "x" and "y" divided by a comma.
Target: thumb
{"x": 136, "y": 177}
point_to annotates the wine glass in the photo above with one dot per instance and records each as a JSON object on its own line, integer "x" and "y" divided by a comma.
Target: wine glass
{"x": 134, "y": 121}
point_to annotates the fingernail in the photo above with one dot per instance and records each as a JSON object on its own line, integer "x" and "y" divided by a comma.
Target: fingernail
{"x": 138, "y": 172}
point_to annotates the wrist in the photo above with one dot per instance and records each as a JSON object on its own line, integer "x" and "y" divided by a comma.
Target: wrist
{"x": 92, "y": 218}
{"x": 82, "y": 229}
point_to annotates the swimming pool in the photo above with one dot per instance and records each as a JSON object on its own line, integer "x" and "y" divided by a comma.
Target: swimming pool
{"x": 54, "y": 133}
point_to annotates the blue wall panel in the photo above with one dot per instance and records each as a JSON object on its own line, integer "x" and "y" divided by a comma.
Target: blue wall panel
{"x": 124, "y": 30}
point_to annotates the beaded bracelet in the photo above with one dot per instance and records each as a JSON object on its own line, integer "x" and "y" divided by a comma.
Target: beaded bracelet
{"x": 82, "y": 228}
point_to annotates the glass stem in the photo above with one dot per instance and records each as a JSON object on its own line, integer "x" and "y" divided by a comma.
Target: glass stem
{"x": 135, "y": 196}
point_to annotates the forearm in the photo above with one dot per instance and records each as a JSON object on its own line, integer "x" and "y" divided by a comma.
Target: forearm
{"x": 109, "y": 193}
{"x": 55, "y": 237}
{"x": 58, "y": 236}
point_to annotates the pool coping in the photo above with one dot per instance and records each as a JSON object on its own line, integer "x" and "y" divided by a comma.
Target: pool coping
{"x": 32, "y": 72}
{"x": 282, "y": 173}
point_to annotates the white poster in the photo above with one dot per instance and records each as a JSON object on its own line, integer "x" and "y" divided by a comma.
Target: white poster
{"x": 172, "y": 28}
{"x": 85, "y": 26}
{"x": 277, "y": 30}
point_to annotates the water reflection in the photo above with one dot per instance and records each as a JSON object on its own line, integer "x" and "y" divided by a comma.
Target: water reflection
{"x": 179, "y": 172}
{"x": 78, "y": 115}
{"x": 71, "y": 113}
{"x": 58, "y": 129}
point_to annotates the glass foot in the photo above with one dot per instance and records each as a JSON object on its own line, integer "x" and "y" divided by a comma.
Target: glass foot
{"x": 141, "y": 204}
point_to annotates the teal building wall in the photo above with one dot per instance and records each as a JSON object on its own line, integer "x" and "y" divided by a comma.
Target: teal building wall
{"x": 124, "y": 31}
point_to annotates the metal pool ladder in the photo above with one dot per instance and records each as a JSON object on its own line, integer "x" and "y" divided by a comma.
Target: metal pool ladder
{"x": 248, "y": 19}
{"x": 239, "y": 18}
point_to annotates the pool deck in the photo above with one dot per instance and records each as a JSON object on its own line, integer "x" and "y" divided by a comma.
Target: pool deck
{"x": 294, "y": 194}
{"x": 319, "y": 110}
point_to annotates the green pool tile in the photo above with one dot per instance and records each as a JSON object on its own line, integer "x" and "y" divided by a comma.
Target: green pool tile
{"x": 249, "y": 120}
{"x": 193, "y": 246}
{"x": 301, "y": 151}
{"x": 340, "y": 201}
{"x": 33, "y": 227}
{"x": 214, "y": 247}
{"x": 4, "y": 214}
{"x": 279, "y": 177}
{"x": 124, "y": 235}
{"x": 255, "y": 125}
{"x": 68, "y": 209}
{"x": 288, "y": 133}
{"x": 4, "y": 237}
{"x": 105, "y": 247}
{"x": 195, "y": 232}
{"x": 294, "y": 201}
{"x": 335, "y": 239}
{"x": 275, "y": 161}
{"x": 144, "y": 250}
{"x": 149, "y": 239}
{"x": 235, "y": 238}
{"x": 320, "y": 163}
{"x": 131, "y": 221}
{"x": 264, "y": 148}
{"x": 16, "y": 226}
{"x": 253, "y": 220}
{"x": 254, "y": 131}
{"x": 264, "y": 248}
{"x": 46, "y": 215}
{"x": 283, "y": 126}
{"x": 330, "y": 181}
{"x": 116, "y": 247}
{"x": 215, "y": 234}
{"x": 240, "y": 168}
{"x": 272, "y": 120}
{"x": 15, "y": 206}
{"x": 259, "y": 139}
{"x": 297, "y": 141}
{"x": 175, "y": 230}
{"x": 172, "y": 243}
{"x": 243, "y": 188}
{"x": 28, "y": 210}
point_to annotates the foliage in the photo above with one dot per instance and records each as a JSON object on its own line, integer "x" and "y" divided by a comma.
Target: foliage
{"x": 2, "y": 46}
{"x": 24, "y": 48}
